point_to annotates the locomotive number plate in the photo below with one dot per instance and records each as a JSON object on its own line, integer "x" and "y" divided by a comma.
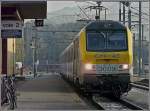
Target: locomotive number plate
{"x": 106, "y": 68}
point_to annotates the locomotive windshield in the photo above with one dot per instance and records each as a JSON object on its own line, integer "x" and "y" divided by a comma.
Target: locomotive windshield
{"x": 106, "y": 41}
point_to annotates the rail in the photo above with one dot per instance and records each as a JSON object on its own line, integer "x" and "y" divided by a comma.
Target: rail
{"x": 130, "y": 105}
{"x": 108, "y": 103}
{"x": 140, "y": 86}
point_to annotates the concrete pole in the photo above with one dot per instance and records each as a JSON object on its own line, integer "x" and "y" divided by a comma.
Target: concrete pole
{"x": 149, "y": 39}
{"x": 139, "y": 57}
{"x": 129, "y": 16}
{"x": 124, "y": 14}
{"x": 0, "y": 56}
{"x": 99, "y": 9}
{"x": 0, "y": 46}
{"x": 35, "y": 57}
{"x": 99, "y": 13}
{"x": 34, "y": 51}
{"x": 96, "y": 12}
{"x": 105, "y": 14}
{"x": 34, "y": 70}
{"x": 47, "y": 59}
{"x": 142, "y": 48}
{"x": 120, "y": 11}
{"x": 36, "y": 54}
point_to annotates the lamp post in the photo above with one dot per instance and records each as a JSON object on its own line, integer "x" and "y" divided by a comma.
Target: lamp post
{"x": 33, "y": 46}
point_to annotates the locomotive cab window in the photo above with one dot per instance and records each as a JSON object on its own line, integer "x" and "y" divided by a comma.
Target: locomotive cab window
{"x": 106, "y": 41}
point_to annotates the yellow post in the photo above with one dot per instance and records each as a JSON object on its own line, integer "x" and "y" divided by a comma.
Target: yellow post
{"x": 10, "y": 56}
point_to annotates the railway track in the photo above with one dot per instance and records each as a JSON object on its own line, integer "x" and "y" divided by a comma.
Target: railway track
{"x": 104, "y": 103}
{"x": 107, "y": 103}
{"x": 140, "y": 86}
{"x": 113, "y": 104}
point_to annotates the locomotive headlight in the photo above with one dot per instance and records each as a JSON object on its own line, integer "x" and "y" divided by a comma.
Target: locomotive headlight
{"x": 124, "y": 67}
{"x": 88, "y": 66}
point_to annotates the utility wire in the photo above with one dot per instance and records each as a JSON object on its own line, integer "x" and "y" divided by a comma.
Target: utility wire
{"x": 138, "y": 11}
{"x": 136, "y": 15}
{"x": 91, "y": 3}
{"x": 82, "y": 11}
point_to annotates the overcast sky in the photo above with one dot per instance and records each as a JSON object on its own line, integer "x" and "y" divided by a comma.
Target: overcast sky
{"x": 57, "y": 5}
{"x": 54, "y": 5}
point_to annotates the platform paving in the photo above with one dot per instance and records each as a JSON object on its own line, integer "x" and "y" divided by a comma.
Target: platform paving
{"x": 48, "y": 92}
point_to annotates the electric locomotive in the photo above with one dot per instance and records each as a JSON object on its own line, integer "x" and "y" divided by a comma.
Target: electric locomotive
{"x": 100, "y": 58}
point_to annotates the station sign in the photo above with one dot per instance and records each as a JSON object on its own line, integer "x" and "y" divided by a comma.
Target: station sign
{"x": 11, "y": 33}
{"x": 39, "y": 22}
{"x": 11, "y": 29}
{"x": 9, "y": 25}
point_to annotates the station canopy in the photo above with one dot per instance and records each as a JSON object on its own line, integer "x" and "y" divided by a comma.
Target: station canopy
{"x": 27, "y": 9}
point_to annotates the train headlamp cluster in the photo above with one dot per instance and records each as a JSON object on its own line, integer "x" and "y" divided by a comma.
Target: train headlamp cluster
{"x": 88, "y": 66}
{"x": 124, "y": 67}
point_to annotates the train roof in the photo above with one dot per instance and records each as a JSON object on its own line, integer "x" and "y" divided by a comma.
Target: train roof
{"x": 105, "y": 25}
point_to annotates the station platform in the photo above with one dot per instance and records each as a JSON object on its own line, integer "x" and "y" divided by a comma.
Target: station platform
{"x": 48, "y": 92}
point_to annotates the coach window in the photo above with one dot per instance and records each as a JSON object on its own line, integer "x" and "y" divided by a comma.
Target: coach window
{"x": 77, "y": 49}
{"x": 68, "y": 55}
{"x": 65, "y": 57}
{"x": 74, "y": 49}
{"x": 72, "y": 53}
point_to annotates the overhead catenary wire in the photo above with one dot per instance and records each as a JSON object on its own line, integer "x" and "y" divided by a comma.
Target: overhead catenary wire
{"x": 136, "y": 15}
{"x": 82, "y": 11}
{"x": 141, "y": 12}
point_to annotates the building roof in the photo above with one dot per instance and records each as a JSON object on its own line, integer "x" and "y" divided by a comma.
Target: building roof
{"x": 28, "y": 9}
